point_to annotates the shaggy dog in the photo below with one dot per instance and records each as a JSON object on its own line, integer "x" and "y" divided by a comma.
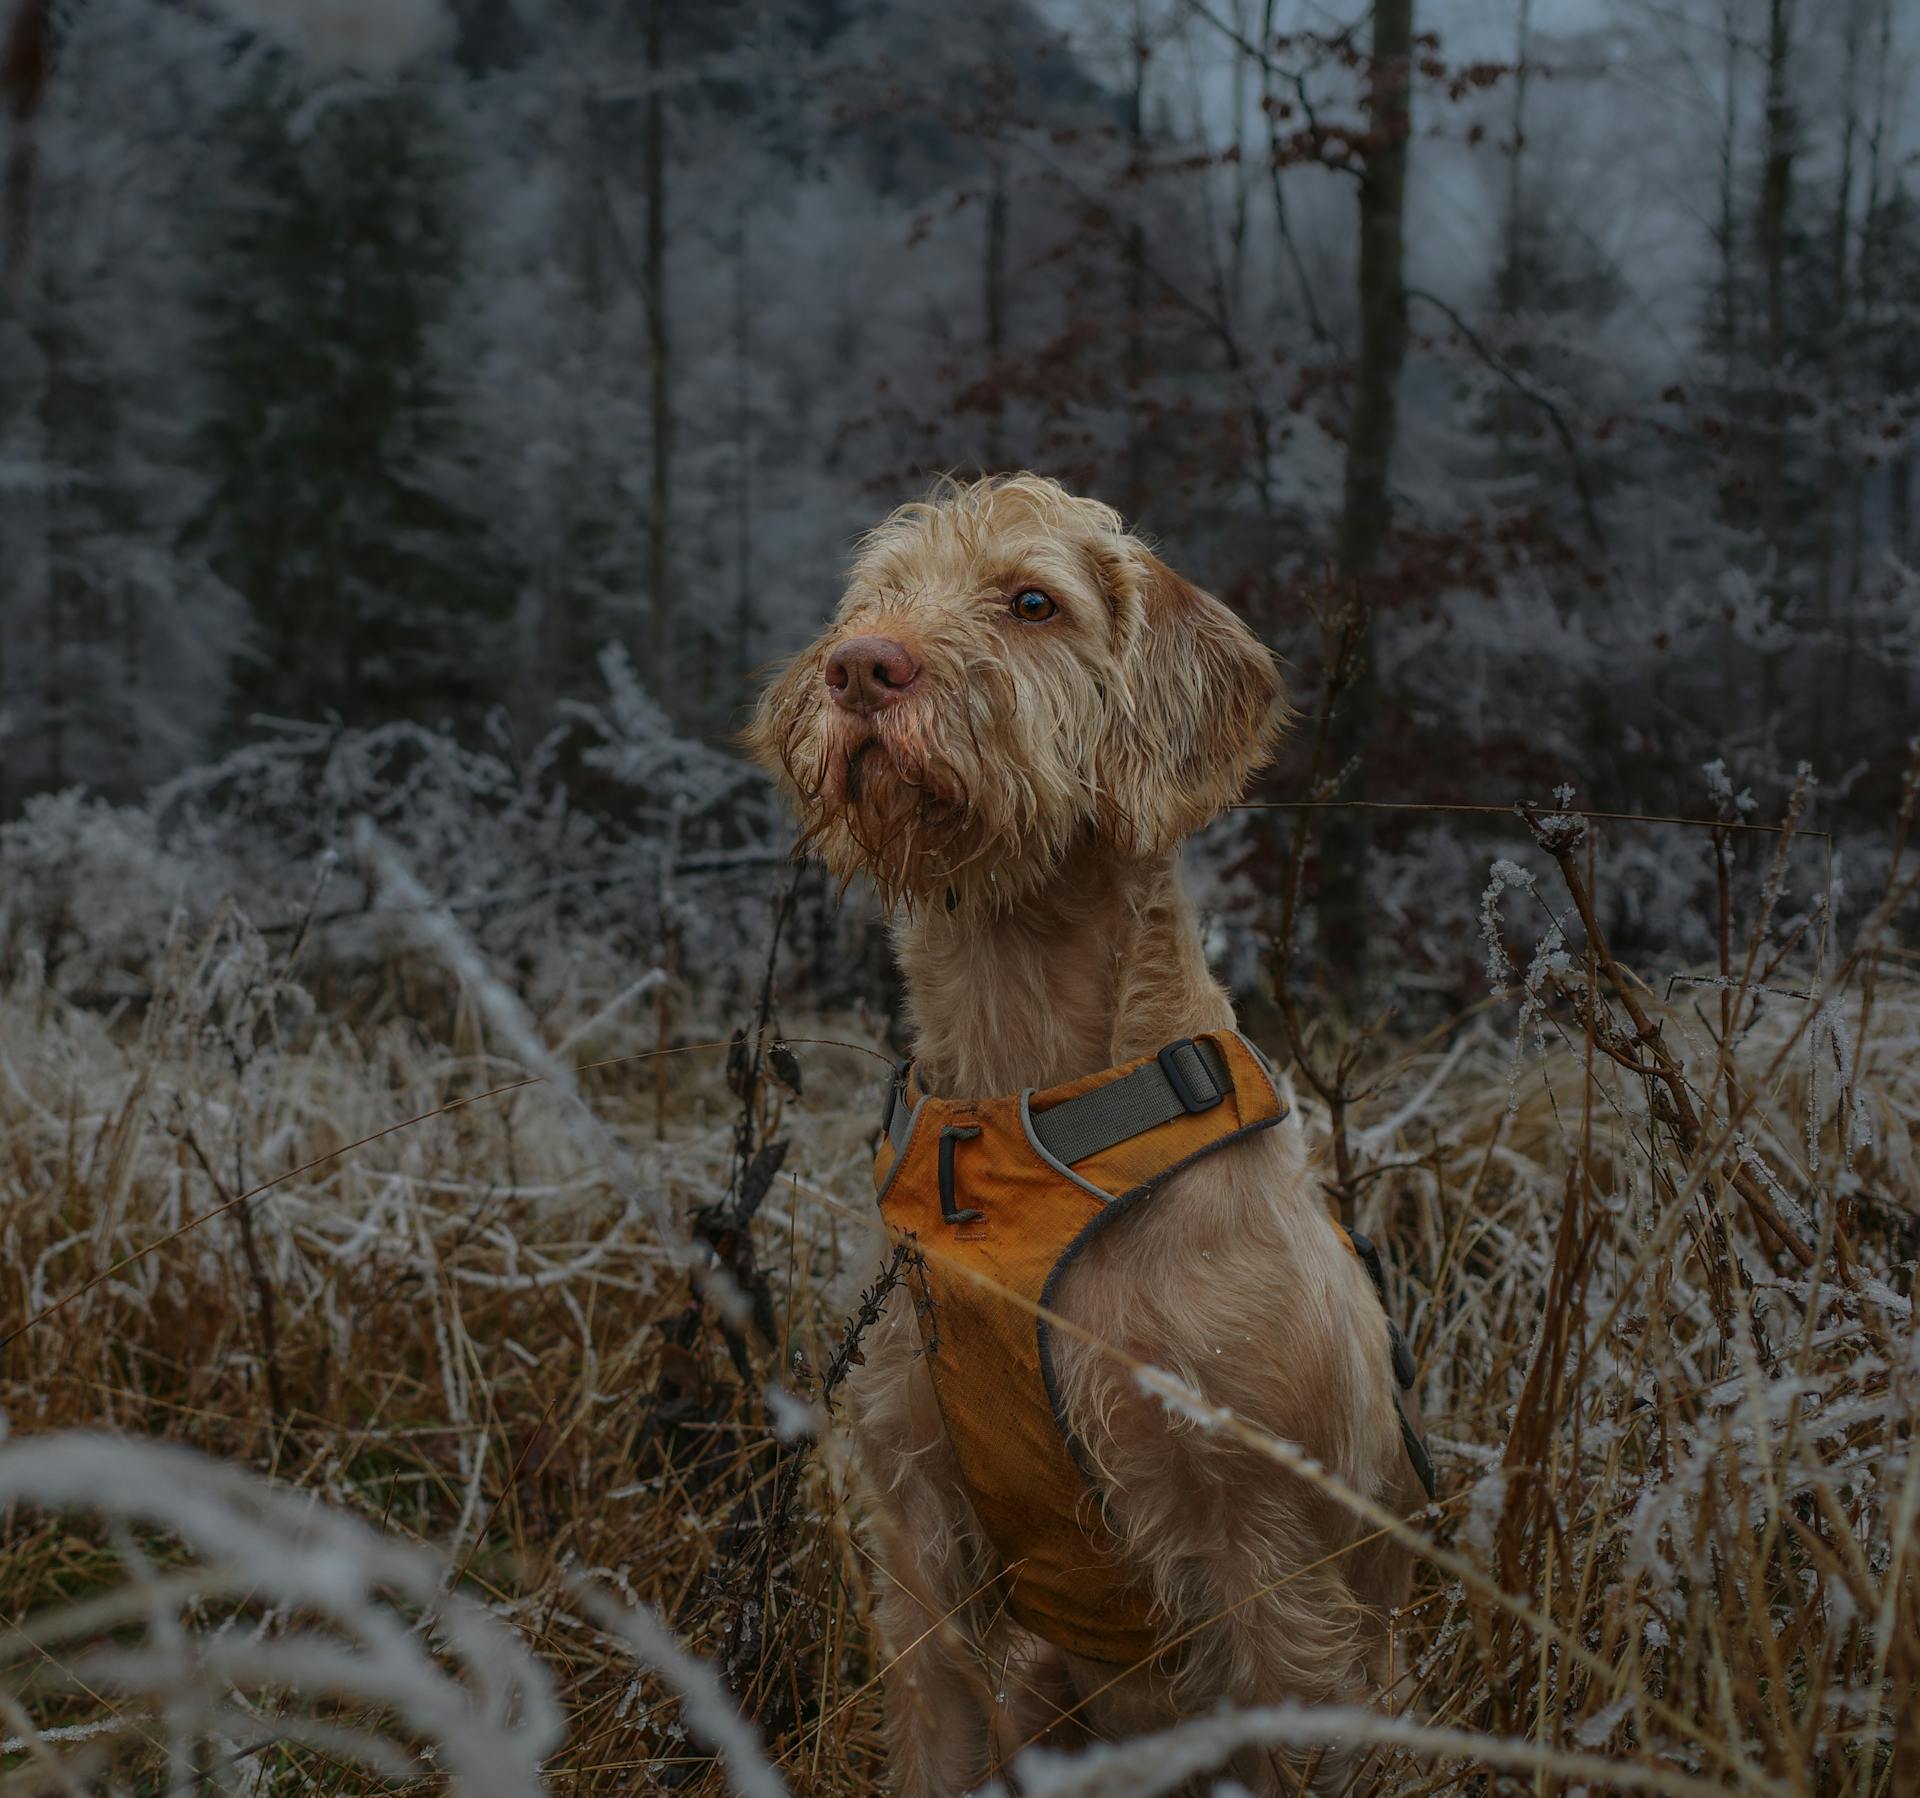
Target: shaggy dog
{"x": 1016, "y": 715}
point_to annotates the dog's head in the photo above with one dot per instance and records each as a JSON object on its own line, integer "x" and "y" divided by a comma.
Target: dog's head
{"x": 1011, "y": 673}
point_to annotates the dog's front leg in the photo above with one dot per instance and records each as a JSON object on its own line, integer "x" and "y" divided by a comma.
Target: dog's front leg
{"x": 1247, "y": 1562}
{"x": 929, "y": 1569}
{"x": 938, "y": 1739}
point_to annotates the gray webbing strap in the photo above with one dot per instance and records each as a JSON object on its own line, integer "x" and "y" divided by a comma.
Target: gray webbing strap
{"x": 1080, "y": 1127}
{"x": 1077, "y": 1128}
{"x": 899, "y": 1118}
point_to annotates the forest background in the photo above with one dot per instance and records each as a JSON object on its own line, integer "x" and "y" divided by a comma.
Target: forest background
{"x": 425, "y": 1082}
{"x": 371, "y": 365}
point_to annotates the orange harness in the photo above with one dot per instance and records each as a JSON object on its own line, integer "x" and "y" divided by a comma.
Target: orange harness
{"x": 1001, "y": 1194}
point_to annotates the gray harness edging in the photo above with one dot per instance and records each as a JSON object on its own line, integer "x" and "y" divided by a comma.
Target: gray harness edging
{"x": 1185, "y": 1076}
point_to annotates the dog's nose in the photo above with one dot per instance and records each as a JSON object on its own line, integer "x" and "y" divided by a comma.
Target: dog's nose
{"x": 866, "y": 673}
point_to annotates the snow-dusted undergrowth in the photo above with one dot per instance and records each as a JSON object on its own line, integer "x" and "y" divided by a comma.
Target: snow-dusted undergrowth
{"x": 499, "y": 1456}
{"x": 559, "y": 861}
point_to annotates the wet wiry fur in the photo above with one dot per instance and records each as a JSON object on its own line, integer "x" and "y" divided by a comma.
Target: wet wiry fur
{"x": 1021, "y": 806}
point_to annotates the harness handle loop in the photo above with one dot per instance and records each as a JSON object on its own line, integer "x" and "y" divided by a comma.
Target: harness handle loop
{"x": 949, "y": 1212}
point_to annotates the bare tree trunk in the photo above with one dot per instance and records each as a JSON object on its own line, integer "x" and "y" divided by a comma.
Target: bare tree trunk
{"x": 996, "y": 309}
{"x": 743, "y": 627}
{"x": 1776, "y": 192}
{"x": 26, "y": 34}
{"x": 132, "y": 776}
{"x": 1136, "y": 368}
{"x": 53, "y": 685}
{"x": 659, "y": 542}
{"x": 1366, "y": 513}
{"x": 1510, "y": 294}
{"x": 26, "y": 55}
{"x": 1728, "y": 244}
{"x": 64, "y": 617}
{"x": 1242, "y": 181}
{"x": 1868, "y": 297}
{"x": 1729, "y": 227}
{"x": 1830, "y": 574}
{"x": 1512, "y": 251}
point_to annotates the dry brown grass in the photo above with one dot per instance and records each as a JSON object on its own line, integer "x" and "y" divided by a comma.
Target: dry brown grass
{"x": 1676, "y": 1542}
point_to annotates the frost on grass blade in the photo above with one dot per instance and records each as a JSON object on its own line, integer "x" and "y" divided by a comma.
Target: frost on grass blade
{"x": 1502, "y": 875}
{"x": 1343, "y": 1735}
{"x": 1180, "y": 1399}
{"x": 794, "y": 1419}
{"x": 434, "y": 927}
{"x": 710, "y": 1712}
{"x": 284, "y": 1606}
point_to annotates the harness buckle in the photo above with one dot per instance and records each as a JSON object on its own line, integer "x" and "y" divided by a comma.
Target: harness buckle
{"x": 1183, "y": 1089}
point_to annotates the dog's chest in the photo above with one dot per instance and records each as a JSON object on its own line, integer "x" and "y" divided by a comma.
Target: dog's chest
{"x": 997, "y": 1197}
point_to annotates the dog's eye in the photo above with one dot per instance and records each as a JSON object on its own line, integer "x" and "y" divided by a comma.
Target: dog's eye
{"x": 1032, "y": 606}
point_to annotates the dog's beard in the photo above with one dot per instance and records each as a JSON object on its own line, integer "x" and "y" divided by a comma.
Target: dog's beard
{"x": 884, "y": 797}
{"x": 882, "y": 809}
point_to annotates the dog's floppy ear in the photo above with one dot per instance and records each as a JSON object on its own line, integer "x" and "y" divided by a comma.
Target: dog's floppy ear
{"x": 1199, "y": 705}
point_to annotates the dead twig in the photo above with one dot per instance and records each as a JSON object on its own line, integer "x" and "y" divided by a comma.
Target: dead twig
{"x": 1645, "y": 1051}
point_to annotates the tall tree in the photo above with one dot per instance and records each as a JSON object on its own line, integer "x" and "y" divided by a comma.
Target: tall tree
{"x": 1776, "y": 194}
{"x": 368, "y": 596}
{"x": 995, "y": 307}
{"x": 1516, "y": 234}
{"x": 743, "y": 622}
{"x": 1133, "y": 488}
{"x": 1839, "y": 474}
{"x": 26, "y": 55}
{"x": 1366, "y": 506}
{"x": 114, "y": 647}
{"x": 659, "y": 348}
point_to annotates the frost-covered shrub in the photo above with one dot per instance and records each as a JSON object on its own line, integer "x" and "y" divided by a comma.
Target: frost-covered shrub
{"x": 90, "y": 891}
{"x": 613, "y": 845}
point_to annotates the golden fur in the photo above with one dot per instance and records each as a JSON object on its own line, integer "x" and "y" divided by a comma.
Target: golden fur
{"x": 1021, "y": 806}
